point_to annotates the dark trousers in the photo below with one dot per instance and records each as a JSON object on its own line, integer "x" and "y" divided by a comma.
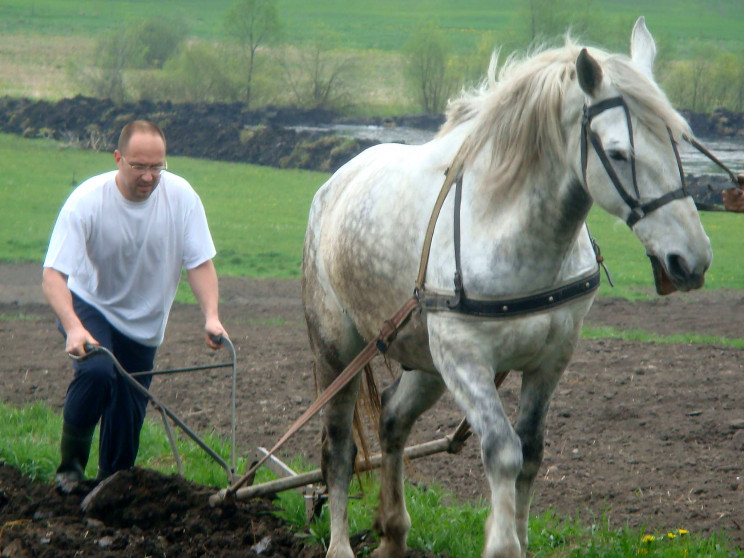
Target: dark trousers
{"x": 98, "y": 392}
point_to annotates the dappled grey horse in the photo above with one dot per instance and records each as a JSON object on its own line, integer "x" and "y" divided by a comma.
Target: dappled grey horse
{"x": 541, "y": 140}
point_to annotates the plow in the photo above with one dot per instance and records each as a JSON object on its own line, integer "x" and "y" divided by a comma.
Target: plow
{"x": 309, "y": 484}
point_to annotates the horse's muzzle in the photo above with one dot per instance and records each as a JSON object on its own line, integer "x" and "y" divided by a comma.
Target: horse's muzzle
{"x": 674, "y": 276}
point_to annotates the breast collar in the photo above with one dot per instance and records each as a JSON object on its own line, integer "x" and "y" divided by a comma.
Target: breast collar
{"x": 502, "y": 307}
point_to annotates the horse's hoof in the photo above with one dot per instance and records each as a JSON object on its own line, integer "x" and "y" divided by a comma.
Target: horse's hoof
{"x": 388, "y": 550}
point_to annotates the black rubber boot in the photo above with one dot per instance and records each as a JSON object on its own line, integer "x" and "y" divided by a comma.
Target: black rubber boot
{"x": 103, "y": 474}
{"x": 74, "y": 451}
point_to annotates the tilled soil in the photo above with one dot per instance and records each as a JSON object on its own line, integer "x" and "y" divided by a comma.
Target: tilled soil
{"x": 640, "y": 434}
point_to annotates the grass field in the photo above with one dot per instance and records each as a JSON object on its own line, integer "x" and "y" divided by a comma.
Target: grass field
{"x": 382, "y": 24}
{"x": 46, "y": 44}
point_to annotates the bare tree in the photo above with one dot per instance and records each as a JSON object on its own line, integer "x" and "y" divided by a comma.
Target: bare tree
{"x": 317, "y": 73}
{"x": 426, "y": 67}
{"x": 252, "y": 23}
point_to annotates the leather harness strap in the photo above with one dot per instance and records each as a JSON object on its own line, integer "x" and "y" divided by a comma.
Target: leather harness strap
{"x": 500, "y": 308}
{"x": 509, "y": 307}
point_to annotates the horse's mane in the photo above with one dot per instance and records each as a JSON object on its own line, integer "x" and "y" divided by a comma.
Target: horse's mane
{"x": 519, "y": 108}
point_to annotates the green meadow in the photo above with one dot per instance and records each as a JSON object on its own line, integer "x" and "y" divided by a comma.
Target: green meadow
{"x": 47, "y": 47}
{"x": 381, "y": 24}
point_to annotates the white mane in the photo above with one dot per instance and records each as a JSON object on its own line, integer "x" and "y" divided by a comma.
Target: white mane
{"x": 520, "y": 109}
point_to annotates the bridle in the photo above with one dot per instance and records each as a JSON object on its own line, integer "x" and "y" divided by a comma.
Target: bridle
{"x": 638, "y": 210}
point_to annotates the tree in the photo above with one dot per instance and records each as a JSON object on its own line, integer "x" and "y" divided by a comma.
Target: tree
{"x": 155, "y": 41}
{"x": 426, "y": 54}
{"x": 252, "y": 23}
{"x": 317, "y": 73}
{"x": 111, "y": 58}
{"x": 545, "y": 20}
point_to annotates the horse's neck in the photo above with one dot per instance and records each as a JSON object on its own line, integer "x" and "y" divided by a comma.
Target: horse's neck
{"x": 528, "y": 238}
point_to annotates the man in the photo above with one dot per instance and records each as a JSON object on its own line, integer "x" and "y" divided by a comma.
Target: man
{"x": 111, "y": 272}
{"x": 733, "y": 198}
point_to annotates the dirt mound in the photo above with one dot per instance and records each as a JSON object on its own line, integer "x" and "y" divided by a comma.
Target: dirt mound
{"x": 219, "y": 131}
{"x": 142, "y": 513}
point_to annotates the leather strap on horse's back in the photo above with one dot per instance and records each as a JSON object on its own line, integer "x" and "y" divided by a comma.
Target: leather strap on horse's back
{"x": 451, "y": 175}
{"x": 388, "y": 332}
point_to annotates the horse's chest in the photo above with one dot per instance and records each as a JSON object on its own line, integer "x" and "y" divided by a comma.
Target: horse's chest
{"x": 508, "y": 344}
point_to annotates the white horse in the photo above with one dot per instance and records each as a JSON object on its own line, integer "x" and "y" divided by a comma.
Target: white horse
{"x": 554, "y": 133}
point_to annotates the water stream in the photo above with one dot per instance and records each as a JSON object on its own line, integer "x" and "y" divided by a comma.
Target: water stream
{"x": 729, "y": 150}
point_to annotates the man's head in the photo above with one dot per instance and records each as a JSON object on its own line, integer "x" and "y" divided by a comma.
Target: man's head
{"x": 140, "y": 158}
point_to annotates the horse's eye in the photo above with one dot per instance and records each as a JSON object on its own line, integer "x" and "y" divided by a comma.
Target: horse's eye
{"x": 617, "y": 155}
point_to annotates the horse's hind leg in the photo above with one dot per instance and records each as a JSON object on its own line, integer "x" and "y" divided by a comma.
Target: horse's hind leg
{"x": 337, "y": 464}
{"x": 402, "y": 403}
{"x": 334, "y": 343}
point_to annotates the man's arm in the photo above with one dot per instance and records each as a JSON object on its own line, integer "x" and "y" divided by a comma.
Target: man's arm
{"x": 204, "y": 285}
{"x": 54, "y": 285}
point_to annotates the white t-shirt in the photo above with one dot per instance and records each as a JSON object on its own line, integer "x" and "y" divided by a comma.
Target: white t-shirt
{"x": 125, "y": 258}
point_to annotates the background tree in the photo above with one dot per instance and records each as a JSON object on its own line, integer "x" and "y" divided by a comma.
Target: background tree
{"x": 691, "y": 83}
{"x": 252, "y": 23}
{"x": 317, "y": 73}
{"x": 105, "y": 79}
{"x": 426, "y": 54}
{"x": 155, "y": 41}
{"x": 547, "y": 20}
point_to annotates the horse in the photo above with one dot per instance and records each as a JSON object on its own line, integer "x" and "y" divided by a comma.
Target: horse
{"x": 544, "y": 136}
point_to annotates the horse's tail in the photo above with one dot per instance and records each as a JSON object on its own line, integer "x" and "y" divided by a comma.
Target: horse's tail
{"x": 367, "y": 411}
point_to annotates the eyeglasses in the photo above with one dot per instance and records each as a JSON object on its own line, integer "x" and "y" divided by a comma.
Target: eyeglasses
{"x": 142, "y": 169}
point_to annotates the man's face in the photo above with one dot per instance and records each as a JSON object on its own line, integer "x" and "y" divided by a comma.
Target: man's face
{"x": 140, "y": 165}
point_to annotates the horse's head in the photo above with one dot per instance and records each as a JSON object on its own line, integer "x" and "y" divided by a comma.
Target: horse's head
{"x": 630, "y": 164}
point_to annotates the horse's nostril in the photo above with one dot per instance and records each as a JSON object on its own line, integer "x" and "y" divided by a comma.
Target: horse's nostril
{"x": 677, "y": 267}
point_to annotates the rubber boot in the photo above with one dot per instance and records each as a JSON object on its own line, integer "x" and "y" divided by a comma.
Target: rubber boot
{"x": 103, "y": 474}
{"x": 74, "y": 451}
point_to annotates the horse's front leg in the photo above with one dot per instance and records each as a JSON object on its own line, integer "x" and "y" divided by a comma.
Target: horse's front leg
{"x": 464, "y": 359}
{"x": 402, "y": 403}
{"x": 537, "y": 390}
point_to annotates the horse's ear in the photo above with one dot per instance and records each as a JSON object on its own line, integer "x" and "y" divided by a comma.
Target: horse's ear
{"x": 589, "y": 73}
{"x": 642, "y": 47}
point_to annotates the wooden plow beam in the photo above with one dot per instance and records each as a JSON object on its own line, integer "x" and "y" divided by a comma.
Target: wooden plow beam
{"x": 314, "y": 495}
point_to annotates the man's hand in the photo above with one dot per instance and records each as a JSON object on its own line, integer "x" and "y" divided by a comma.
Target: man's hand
{"x": 77, "y": 338}
{"x": 215, "y": 332}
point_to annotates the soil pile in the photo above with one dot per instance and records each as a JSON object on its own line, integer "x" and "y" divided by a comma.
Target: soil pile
{"x": 218, "y": 131}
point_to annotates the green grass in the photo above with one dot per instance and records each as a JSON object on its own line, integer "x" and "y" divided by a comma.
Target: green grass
{"x": 383, "y": 24}
{"x": 29, "y": 441}
{"x": 650, "y": 337}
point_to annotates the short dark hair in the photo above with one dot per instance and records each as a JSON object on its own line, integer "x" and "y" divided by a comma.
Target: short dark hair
{"x": 143, "y": 126}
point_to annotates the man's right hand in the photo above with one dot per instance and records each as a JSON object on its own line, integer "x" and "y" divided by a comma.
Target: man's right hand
{"x": 77, "y": 338}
